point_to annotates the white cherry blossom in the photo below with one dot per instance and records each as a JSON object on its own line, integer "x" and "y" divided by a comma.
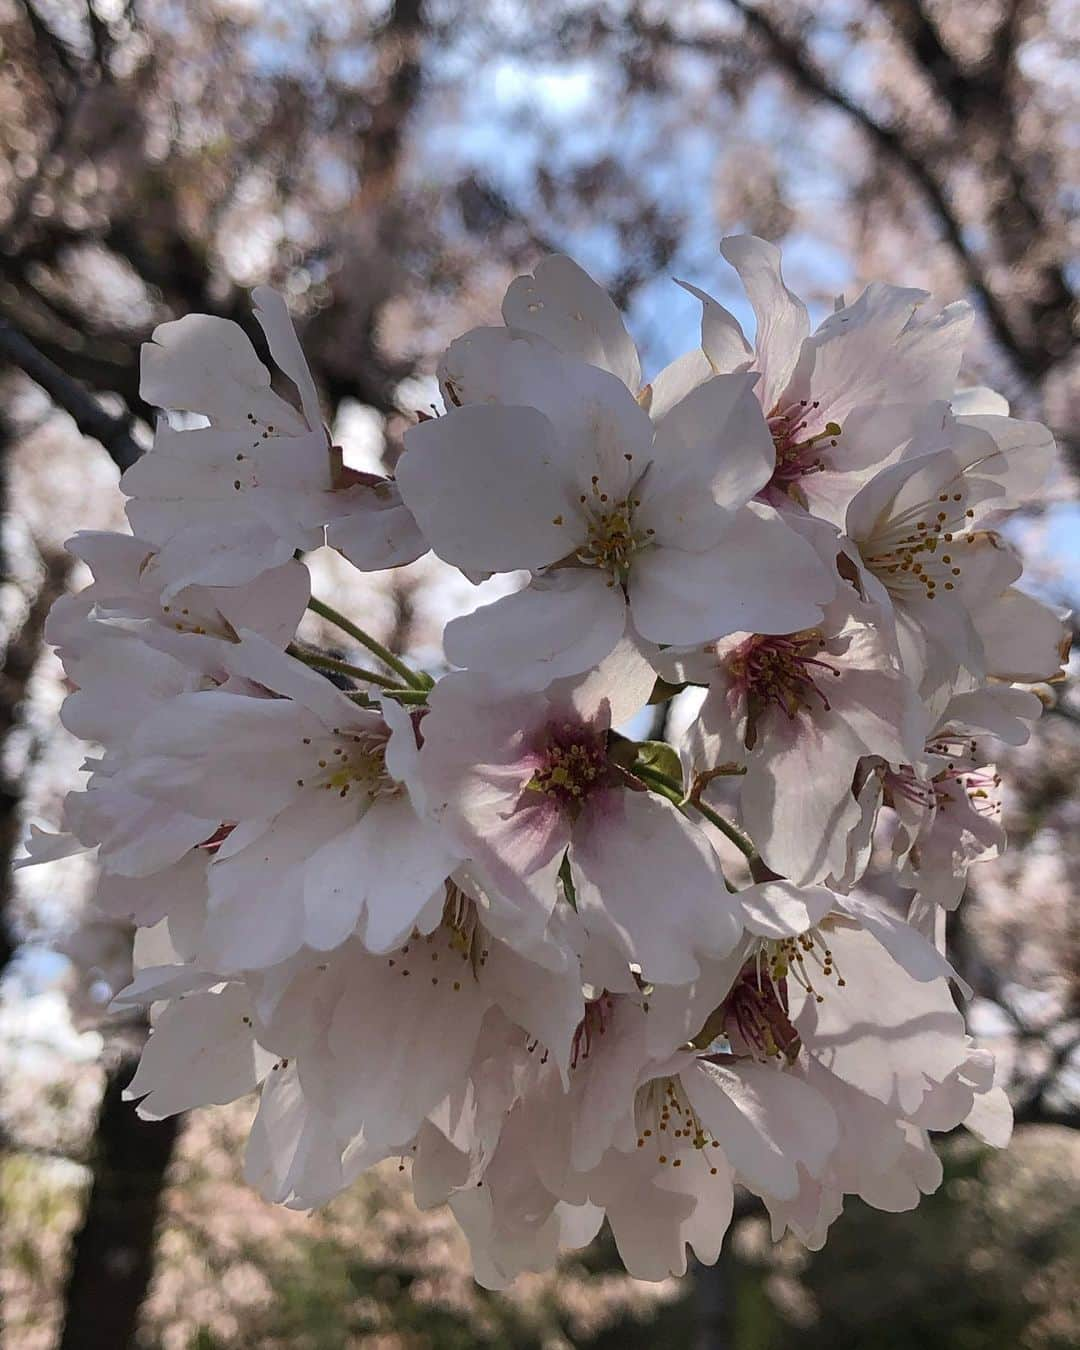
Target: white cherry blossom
{"x": 225, "y": 501}
{"x": 563, "y": 474}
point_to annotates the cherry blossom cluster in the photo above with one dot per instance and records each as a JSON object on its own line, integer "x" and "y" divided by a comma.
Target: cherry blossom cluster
{"x": 560, "y": 971}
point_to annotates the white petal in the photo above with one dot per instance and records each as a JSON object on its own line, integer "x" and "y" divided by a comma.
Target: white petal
{"x": 777, "y": 909}
{"x": 473, "y": 366}
{"x": 374, "y": 528}
{"x": 563, "y": 304}
{"x": 782, "y": 322}
{"x": 976, "y": 400}
{"x": 200, "y": 1053}
{"x": 882, "y": 1031}
{"x": 674, "y": 382}
{"x": 712, "y": 453}
{"x": 650, "y": 882}
{"x": 1022, "y": 638}
{"x": 224, "y": 754}
{"x": 881, "y": 350}
{"x": 905, "y": 944}
{"x": 207, "y": 365}
{"x": 616, "y": 689}
{"x": 722, "y": 339}
{"x": 766, "y": 1121}
{"x": 273, "y": 317}
{"x": 991, "y": 1118}
{"x": 487, "y": 486}
{"x": 560, "y": 624}
{"x": 378, "y": 875}
{"x": 399, "y": 1042}
{"x": 760, "y": 578}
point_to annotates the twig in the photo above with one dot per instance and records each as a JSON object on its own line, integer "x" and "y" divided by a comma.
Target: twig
{"x": 88, "y": 415}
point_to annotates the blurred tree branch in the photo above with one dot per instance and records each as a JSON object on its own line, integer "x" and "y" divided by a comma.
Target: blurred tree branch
{"x": 1045, "y": 338}
{"x": 89, "y": 416}
{"x": 21, "y": 655}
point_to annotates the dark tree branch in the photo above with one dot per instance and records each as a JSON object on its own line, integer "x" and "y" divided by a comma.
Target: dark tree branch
{"x": 113, "y": 1253}
{"x": 21, "y": 656}
{"x": 89, "y": 416}
{"x": 795, "y": 61}
{"x": 921, "y": 35}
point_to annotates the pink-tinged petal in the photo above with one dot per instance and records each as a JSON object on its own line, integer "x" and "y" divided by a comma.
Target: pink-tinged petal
{"x": 650, "y": 883}
{"x": 488, "y": 488}
{"x": 766, "y": 1121}
{"x": 782, "y": 322}
{"x": 722, "y": 340}
{"x": 802, "y": 834}
{"x": 377, "y": 877}
{"x": 712, "y": 453}
{"x": 563, "y": 304}
{"x": 561, "y": 624}
{"x": 613, "y": 692}
{"x": 273, "y": 318}
{"x": 760, "y": 578}
{"x": 374, "y": 528}
{"x": 476, "y": 761}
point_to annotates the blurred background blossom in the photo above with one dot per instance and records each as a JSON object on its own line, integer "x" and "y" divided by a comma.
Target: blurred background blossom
{"x": 390, "y": 167}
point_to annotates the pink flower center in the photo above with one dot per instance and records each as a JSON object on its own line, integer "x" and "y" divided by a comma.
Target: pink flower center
{"x": 594, "y": 1023}
{"x": 571, "y": 764}
{"x": 781, "y": 672}
{"x": 798, "y": 455}
{"x": 754, "y": 1016}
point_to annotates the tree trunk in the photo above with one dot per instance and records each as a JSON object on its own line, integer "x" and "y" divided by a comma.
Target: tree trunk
{"x": 112, "y": 1259}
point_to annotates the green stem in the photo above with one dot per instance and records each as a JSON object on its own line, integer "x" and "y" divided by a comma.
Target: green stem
{"x": 410, "y": 697}
{"x": 411, "y": 678}
{"x": 661, "y": 783}
{"x": 320, "y": 662}
{"x": 726, "y": 828}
